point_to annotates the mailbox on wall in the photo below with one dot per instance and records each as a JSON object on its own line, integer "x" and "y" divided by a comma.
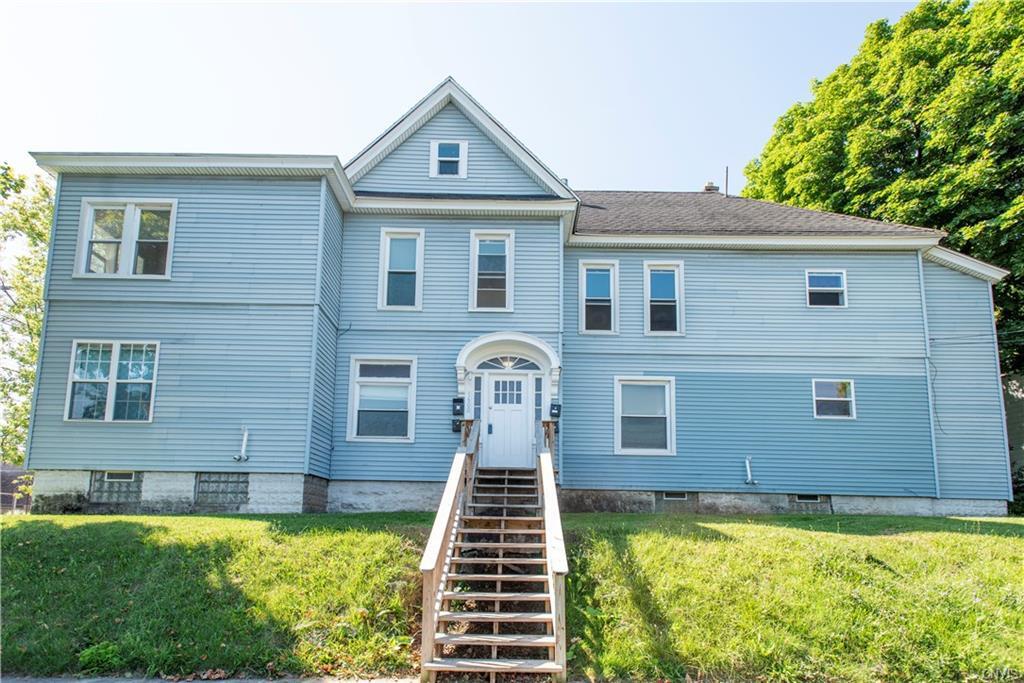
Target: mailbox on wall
{"x": 556, "y": 411}
{"x": 458, "y": 406}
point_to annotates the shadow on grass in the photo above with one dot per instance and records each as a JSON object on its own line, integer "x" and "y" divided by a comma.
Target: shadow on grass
{"x": 119, "y": 595}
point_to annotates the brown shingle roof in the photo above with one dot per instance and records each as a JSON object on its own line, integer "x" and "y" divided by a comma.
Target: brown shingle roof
{"x": 710, "y": 213}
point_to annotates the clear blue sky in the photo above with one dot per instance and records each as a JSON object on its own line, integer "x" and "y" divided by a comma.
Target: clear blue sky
{"x": 638, "y": 96}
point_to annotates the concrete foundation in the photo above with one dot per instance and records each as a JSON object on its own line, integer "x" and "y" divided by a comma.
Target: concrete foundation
{"x": 922, "y": 507}
{"x": 599, "y": 500}
{"x": 384, "y": 496}
{"x": 168, "y": 492}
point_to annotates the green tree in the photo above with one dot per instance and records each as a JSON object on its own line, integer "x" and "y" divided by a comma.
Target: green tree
{"x": 924, "y": 126}
{"x": 25, "y": 214}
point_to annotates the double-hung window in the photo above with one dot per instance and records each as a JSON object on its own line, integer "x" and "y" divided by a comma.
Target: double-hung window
{"x": 834, "y": 399}
{"x": 826, "y": 288}
{"x": 599, "y": 305}
{"x": 663, "y": 297}
{"x": 382, "y": 401}
{"x": 645, "y": 415}
{"x": 492, "y": 270}
{"x": 448, "y": 158}
{"x": 126, "y": 237}
{"x": 112, "y": 381}
{"x": 400, "y": 284}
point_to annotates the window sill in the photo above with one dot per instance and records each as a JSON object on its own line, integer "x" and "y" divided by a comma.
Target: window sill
{"x": 599, "y": 333}
{"x": 835, "y": 417}
{"x": 110, "y": 276}
{"x": 406, "y": 309}
{"x": 68, "y": 420}
{"x": 635, "y": 452}
{"x": 491, "y": 310}
{"x": 649, "y": 333}
{"x": 384, "y": 439}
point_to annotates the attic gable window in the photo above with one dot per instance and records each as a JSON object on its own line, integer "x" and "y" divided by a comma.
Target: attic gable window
{"x": 126, "y": 238}
{"x": 448, "y": 158}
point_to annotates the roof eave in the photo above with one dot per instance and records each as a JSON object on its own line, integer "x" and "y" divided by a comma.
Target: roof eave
{"x": 465, "y": 207}
{"x": 965, "y": 264}
{"x": 270, "y": 165}
{"x": 766, "y": 242}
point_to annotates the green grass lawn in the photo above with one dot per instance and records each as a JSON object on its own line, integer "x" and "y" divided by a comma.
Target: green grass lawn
{"x": 772, "y": 598}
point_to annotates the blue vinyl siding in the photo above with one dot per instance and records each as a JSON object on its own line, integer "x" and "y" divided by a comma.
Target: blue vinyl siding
{"x": 723, "y": 416}
{"x": 221, "y": 367}
{"x": 754, "y": 303}
{"x": 235, "y": 240}
{"x": 321, "y": 435}
{"x": 490, "y": 170}
{"x": 969, "y": 429}
{"x": 446, "y": 286}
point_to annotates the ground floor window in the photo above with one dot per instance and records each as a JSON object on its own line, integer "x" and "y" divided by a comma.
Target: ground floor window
{"x": 833, "y": 398}
{"x": 382, "y": 400}
{"x": 645, "y": 415}
{"x": 112, "y": 381}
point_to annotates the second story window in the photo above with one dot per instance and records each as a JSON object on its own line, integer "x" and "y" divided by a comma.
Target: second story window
{"x": 491, "y": 270}
{"x": 401, "y": 270}
{"x": 448, "y": 158}
{"x": 663, "y": 297}
{"x": 599, "y": 297}
{"x": 126, "y": 238}
{"x": 826, "y": 288}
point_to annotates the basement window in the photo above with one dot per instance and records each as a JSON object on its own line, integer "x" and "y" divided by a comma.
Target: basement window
{"x": 807, "y": 498}
{"x": 673, "y": 495}
{"x": 448, "y": 158}
{"x": 826, "y": 288}
{"x": 119, "y": 476}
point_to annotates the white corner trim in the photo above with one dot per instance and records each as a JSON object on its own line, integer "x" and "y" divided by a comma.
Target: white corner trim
{"x": 752, "y": 242}
{"x": 965, "y": 264}
{"x": 451, "y": 92}
{"x": 259, "y": 165}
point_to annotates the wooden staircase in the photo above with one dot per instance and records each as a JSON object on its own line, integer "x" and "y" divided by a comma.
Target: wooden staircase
{"x": 493, "y": 589}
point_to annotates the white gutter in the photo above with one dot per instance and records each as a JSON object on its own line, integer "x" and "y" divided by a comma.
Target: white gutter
{"x": 754, "y": 242}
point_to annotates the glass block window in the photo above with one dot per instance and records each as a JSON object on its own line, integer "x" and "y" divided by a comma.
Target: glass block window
{"x": 382, "y": 399}
{"x": 833, "y": 398}
{"x": 127, "y": 239}
{"x": 222, "y": 490}
{"x": 401, "y": 269}
{"x": 95, "y": 392}
{"x": 645, "y": 415}
{"x": 826, "y": 288}
{"x": 116, "y": 487}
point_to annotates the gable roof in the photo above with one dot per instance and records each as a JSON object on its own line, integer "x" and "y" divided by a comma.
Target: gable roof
{"x": 450, "y": 92}
{"x": 711, "y": 213}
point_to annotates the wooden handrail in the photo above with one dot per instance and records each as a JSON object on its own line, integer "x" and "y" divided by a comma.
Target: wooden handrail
{"x": 558, "y": 564}
{"x": 442, "y": 534}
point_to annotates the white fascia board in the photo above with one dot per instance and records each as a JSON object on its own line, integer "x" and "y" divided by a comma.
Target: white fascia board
{"x": 519, "y": 207}
{"x": 753, "y": 242}
{"x": 281, "y": 165}
{"x": 965, "y": 264}
{"x": 435, "y": 100}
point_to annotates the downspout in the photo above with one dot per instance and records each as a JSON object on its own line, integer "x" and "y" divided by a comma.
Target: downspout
{"x": 999, "y": 396}
{"x": 46, "y": 318}
{"x": 928, "y": 373}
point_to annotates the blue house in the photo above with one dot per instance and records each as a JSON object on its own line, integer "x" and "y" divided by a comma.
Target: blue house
{"x": 285, "y": 333}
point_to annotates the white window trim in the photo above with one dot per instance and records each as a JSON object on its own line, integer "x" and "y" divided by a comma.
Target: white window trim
{"x": 680, "y": 301}
{"x": 669, "y": 383}
{"x": 825, "y": 271}
{"x": 115, "y": 352}
{"x": 510, "y": 268}
{"x": 613, "y": 266}
{"x": 353, "y": 408}
{"x": 463, "y": 158}
{"x": 852, "y": 400}
{"x": 382, "y": 272}
{"x": 129, "y": 235}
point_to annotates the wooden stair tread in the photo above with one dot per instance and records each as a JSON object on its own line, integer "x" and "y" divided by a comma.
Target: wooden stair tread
{"x": 497, "y": 577}
{"x": 499, "y": 560}
{"x": 504, "y": 486}
{"x": 487, "y": 595}
{"x": 497, "y": 665}
{"x": 502, "y": 517}
{"x": 501, "y": 639}
{"x": 501, "y": 505}
{"x": 446, "y": 615}
{"x": 499, "y": 545}
{"x": 503, "y": 532}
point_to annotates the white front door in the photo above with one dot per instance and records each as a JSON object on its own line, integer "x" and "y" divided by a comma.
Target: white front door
{"x": 508, "y": 432}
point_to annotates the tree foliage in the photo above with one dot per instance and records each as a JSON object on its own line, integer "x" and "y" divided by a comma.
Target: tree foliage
{"x": 25, "y": 213}
{"x": 924, "y": 126}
